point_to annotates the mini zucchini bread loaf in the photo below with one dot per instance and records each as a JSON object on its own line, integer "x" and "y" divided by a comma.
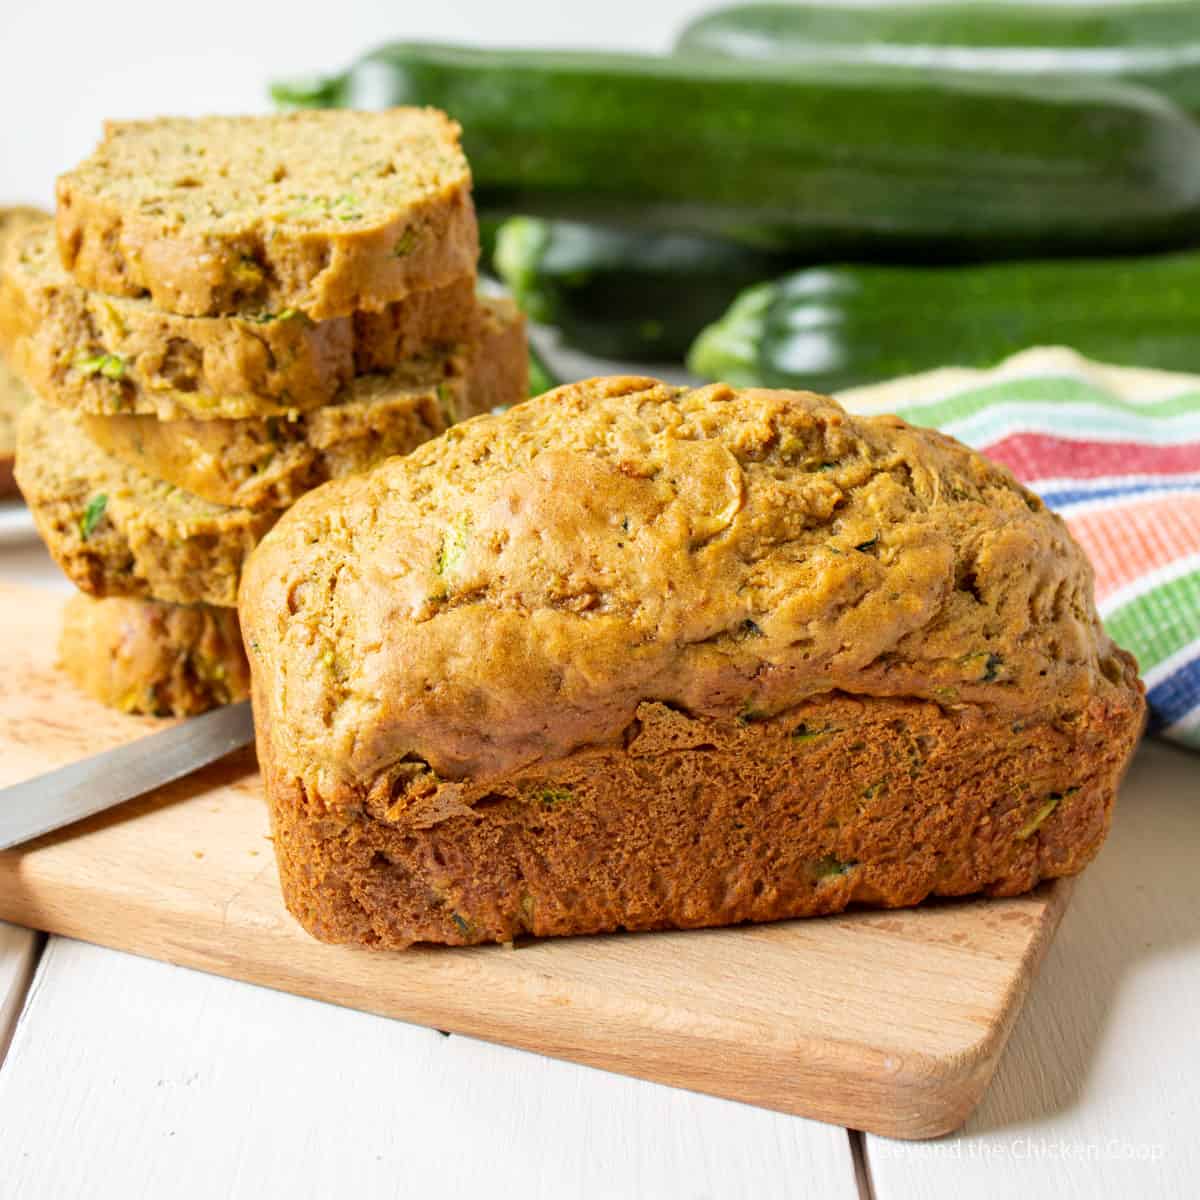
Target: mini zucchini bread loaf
{"x": 267, "y": 462}
{"x": 324, "y": 212}
{"x": 104, "y": 354}
{"x": 632, "y": 656}
{"x": 146, "y": 656}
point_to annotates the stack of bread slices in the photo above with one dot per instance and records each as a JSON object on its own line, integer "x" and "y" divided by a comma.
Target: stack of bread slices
{"x": 225, "y": 313}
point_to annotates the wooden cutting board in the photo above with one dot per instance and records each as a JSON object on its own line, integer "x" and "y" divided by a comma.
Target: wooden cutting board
{"x": 891, "y": 1022}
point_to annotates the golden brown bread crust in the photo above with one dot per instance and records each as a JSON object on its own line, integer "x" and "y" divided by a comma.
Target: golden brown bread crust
{"x": 507, "y": 611}
{"x": 501, "y": 376}
{"x": 326, "y": 212}
{"x": 152, "y": 538}
{"x": 119, "y": 532}
{"x": 103, "y": 354}
{"x": 147, "y": 656}
{"x": 14, "y": 224}
{"x": 692, "y": 822}
{"x": 270, "y": 462}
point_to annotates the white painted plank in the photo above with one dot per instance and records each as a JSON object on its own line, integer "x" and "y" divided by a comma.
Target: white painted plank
{"x": 18, "y": 953}
{"x": 129, "y": 1077}
{"x": 1099, "y": 1091}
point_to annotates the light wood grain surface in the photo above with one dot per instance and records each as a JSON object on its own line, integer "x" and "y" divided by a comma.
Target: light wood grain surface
{"x": 888, "y": 1021}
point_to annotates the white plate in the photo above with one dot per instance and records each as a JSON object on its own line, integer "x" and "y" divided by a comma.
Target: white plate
{"x": 16, "y": 525}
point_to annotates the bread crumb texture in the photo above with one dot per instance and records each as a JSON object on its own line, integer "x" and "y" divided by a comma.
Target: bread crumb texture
{"x": 630, "y": 655}
{"x": 153, "y": 658}
{"x": 327, "y": 212}
{"x": 107, "y": 355}
{"x": 268, "y": 462}
{"x": 116, "y": 531}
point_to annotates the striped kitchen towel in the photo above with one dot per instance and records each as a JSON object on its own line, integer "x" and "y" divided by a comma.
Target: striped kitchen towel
{"x": 1116, "y": 451}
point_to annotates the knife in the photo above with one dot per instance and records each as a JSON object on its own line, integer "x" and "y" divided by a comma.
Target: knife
{"x": 80, "y": 789}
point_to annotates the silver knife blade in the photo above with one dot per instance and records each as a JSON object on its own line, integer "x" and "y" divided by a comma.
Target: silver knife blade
{"x": 80, "y": 789}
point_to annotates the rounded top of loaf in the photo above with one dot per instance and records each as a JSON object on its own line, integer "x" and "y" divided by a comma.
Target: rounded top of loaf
{"x": 326, "y": 211}
{"x": 513, "y": 590}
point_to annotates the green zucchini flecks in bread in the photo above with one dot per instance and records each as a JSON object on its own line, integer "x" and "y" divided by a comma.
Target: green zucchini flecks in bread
{"x": 324, "y": 212}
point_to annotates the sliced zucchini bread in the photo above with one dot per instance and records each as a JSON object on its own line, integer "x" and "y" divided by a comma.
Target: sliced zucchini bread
{"x": 13, "y": 393}
{"x": 116, "y": 531}
{"x": 268, "y": 462}
{"x": 328, "y": 213}
{"x": 105, "y": 354}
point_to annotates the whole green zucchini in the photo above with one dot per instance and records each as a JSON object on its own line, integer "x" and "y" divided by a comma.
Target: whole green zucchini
{"x": 825, "y": 161}
{"x": 1154, "y": 44}
{"x": 489, "y": 230}
{"x": 541, "y": 378}
{"x": 621, "y": 293}
{"x": 828, "y": 328}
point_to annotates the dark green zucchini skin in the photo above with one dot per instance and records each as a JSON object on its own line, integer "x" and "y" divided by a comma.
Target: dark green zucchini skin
{"x": 828, "y": 328}
{"x": 825, "y": 161}
{"x": 541, "y": 378}
{"x": 1153, "y": 44}
{"x": 490, "y": 225}
{"x": 619, "y": 293}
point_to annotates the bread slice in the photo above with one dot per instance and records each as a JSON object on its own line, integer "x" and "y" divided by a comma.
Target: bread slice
{"x": 118, "y": 532}
{"x": 633, "y": 656}
{"x": 150, "y": 657}
{"x": 13, "y": 393}
{"x": 326, "y": 212}
{"x": 104, "y": 354}
{"x": 15, "y": 223}
{"x": 269, "y": 462}
{"x": 13, "y": 398}
{"x": 499, "y": 375}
